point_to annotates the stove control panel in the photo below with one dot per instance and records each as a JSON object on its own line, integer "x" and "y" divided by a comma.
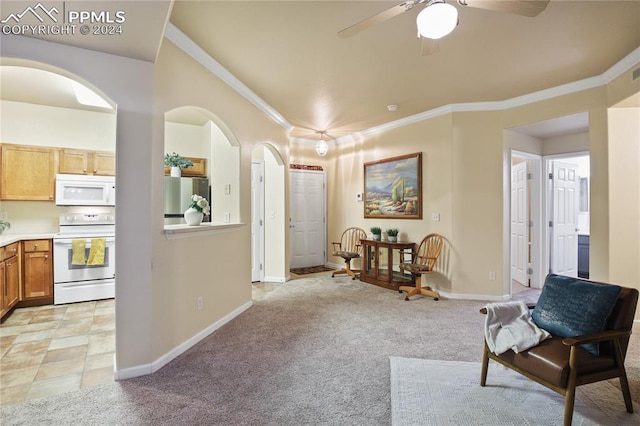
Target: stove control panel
{"x": 87, "y": 219}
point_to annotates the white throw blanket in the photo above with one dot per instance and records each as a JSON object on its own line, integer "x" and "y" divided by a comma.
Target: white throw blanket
{"x": 509, "y": 326}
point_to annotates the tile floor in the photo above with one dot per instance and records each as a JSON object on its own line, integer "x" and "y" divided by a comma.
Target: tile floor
{"x": 48, "y": 350}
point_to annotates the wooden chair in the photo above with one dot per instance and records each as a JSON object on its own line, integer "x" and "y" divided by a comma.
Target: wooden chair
{"x": 561, "y": 364}
{"x": 349, "y": 248}
{"x": 423, "y": 262}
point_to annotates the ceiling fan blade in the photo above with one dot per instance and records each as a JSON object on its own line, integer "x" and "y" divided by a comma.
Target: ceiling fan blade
{"x": 376, "y": 19}
{"x": 429, "y": 46}
{"x": 517, "y": 7}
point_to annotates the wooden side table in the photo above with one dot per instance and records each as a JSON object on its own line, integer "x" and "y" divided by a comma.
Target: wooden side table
{"x": 380, "y": 260}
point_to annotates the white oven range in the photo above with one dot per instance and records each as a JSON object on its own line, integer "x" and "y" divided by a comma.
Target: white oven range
{"x": 79, "y": 273}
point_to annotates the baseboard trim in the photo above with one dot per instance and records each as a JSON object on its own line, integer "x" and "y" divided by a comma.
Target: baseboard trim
{"x": 145, "y": 369}
{"x": 274, "y": 279}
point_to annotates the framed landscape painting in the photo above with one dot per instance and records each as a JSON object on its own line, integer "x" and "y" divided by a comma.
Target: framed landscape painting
{"x": 393, "y": 187}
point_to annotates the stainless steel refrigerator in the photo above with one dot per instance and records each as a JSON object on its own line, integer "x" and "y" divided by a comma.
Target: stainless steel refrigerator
{"x": 177, "y": 197}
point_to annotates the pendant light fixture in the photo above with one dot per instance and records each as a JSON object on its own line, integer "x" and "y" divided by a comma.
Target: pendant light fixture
{"x": 437, "y": 20}
{"x": 322, "y": 147}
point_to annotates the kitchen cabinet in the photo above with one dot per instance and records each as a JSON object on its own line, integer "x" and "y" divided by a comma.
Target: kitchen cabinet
{"x": 28, "y": 172}
{"x": 83, "y": 162}
{"x": 9, "y": 278}
{"x": 199, "y": 168}
{"x": 37, "y": 283}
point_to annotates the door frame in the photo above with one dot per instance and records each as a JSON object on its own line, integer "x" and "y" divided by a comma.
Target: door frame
{"x": 548, "y": 213}
{"x": 258, "y": 209}
{"x": 324, "y": 210}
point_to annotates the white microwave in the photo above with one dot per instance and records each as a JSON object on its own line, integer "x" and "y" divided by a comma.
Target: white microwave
{"x": 82, "y": 190}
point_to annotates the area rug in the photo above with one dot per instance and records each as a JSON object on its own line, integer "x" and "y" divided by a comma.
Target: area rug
{"x": 429, "y": 392}
{"x": 310, "y": 270}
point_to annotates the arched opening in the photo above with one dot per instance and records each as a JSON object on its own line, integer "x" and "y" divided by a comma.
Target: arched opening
{"x": 55, "y": 123}
{"x": 202, "y": 138}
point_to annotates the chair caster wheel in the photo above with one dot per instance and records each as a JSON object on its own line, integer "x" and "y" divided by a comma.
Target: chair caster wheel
{"x": 406, "y": 298}
{"x": 399, "y": 291}
{"x": 436, "y": 299}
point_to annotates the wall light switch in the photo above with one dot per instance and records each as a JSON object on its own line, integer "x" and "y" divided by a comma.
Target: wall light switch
{"x": 227, "y": 217}
{"x": 359, "y": 196}
{"x": 435, "y": 217}
{"x": 227, "y": 189}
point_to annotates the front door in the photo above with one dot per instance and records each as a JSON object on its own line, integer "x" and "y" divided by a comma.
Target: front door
{"x": 564, "y": 227}
{"x": 307, "y": 218}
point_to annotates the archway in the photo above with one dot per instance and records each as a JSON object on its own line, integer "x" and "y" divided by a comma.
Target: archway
{"x": 199, "y": 135}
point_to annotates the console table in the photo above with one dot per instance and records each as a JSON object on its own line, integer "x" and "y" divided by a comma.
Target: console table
{"x": 380, "y": 263}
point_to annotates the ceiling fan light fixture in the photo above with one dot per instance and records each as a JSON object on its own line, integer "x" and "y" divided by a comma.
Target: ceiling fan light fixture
{"x": 437, "y": 20}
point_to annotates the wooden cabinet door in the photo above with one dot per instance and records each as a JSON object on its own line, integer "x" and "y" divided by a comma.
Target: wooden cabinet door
{"x": 199, "y": 168}
{"x": 28, "y": 172}
{"x": 38, "y": 269}
{"x": 3, "y": 289}
{"x": 104, "y": 163}
{"x": 12, "y": 280}
{"x": 38, "y": 277}
{"x": 74, "y": 161}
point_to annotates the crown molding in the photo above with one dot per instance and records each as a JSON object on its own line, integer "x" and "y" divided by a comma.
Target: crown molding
{"x": 196, "y": 52}
{"x": 188, "y": 46}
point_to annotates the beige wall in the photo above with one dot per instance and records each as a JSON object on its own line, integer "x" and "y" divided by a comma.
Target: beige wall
{"x": 215, "y": 267}
{"x": 624, "y": 195}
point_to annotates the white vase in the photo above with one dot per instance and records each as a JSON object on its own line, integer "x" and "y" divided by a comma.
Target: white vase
{"x": 193, "y": 217}
{"x": 176, "y": 172}
{"x": 393, "y": 238}
{"x": 376, "y": 237}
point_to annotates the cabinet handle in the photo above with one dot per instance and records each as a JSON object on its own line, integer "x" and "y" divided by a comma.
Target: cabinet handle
{"x": 95, "y": 171}
{"x": 50, "y": 197}
{"x": 84, "y": 170}
{"x": 46, "y": 256}
{"x": 35, "y": 246}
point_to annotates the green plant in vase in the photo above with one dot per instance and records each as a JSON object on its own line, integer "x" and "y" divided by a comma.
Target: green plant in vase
{"x": 376, "y": 232}
{"x": 392, "y": 234}
{"x": 177, "y": 163}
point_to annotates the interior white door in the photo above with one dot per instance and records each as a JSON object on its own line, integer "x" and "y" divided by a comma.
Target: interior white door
{"x": 519, "y": 223}
{"x": 257, "y": 221}
{"x": 564, "y": 230}
{"x": 307, "y": 218}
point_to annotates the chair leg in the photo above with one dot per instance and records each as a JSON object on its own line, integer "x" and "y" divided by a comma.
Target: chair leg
{"x": 485, "y": 365}
{"x": 425, "y": 291}
{"x": 624, "y": 383}
{"x": 346, "y": 270}
{"x": 570, "y": 393}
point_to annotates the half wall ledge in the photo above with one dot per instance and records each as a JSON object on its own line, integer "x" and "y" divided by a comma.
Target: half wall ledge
{"x": 172, "y": 232}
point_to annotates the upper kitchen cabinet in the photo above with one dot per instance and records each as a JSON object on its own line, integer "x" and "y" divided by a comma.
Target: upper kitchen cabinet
{"x": 82, "y": 162}
{"x": 199, "y": 168}
{"x": 28, "y": 172}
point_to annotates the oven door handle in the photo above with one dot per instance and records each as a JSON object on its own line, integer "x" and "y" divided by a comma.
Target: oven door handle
{"x": 67, "y": 241}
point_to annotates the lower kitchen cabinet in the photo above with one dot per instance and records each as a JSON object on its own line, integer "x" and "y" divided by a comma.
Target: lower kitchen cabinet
{"x": 37, "y": 283}
{"x": 9, "y": 278}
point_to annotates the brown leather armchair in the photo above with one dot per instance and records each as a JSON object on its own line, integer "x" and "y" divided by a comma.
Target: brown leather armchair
{"x": 561, "y": 364}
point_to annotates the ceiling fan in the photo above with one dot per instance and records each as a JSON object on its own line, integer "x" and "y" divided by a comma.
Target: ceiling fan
{"x": 439, "y": 18}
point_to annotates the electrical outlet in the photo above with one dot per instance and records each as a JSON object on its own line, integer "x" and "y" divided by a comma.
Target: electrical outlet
{"x": 227, "y": 189}
{"x": 199, "y": 302}
{"x": 227, "y": 217}
{"x": 492, "y": 276}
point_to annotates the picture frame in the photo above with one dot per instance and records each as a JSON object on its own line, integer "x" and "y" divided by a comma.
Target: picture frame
{"x": 393, "y": 187}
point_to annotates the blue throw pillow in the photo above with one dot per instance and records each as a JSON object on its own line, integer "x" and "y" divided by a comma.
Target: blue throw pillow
{"x": 570, "y": 307}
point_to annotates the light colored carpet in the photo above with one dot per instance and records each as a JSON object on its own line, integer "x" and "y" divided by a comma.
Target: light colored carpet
{"x": 429, "y": 392}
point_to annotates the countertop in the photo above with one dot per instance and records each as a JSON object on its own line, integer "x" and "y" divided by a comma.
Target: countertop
{"x": 6, "y": 239}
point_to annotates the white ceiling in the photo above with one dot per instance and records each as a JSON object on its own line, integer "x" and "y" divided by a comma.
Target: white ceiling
{"x": 288, "y": 53}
